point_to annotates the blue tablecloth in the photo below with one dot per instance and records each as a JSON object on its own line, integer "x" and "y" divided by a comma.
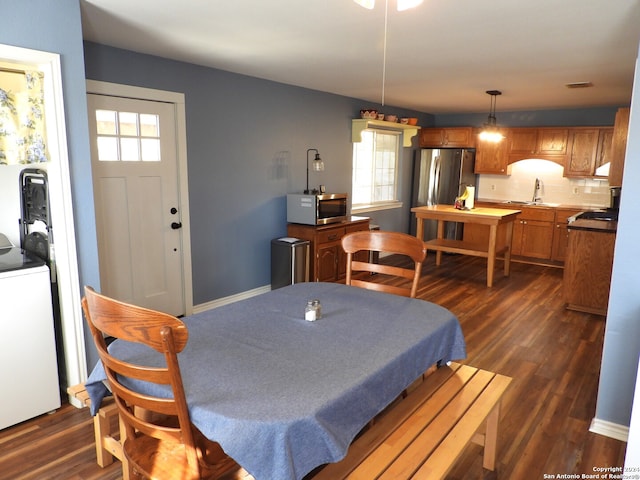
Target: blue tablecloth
{"x": 282, "y": 395}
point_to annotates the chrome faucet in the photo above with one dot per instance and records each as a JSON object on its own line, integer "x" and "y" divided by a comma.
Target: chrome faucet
{"x": 536, "y": 191}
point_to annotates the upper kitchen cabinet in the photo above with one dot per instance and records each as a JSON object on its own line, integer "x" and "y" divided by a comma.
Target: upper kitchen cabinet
{"x": 619, "y": 147}
{"x": 583, "y": 152}
{"x": 542, "y": 143}
{"x": 492, "y": 157}
{"x": 605, "y": 145}
{"x": 452, "y": 137}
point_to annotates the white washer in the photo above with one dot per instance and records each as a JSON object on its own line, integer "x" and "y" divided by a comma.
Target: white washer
{"x": 28, "y": 362}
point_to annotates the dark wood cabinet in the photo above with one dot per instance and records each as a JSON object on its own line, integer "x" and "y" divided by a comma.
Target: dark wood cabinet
{"x": 328, "y": 260}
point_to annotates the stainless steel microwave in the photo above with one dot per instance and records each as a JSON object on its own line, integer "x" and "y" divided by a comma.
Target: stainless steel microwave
{"x": 316, "y": 209}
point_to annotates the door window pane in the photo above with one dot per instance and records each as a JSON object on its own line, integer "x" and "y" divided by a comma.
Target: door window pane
{"x": 106, "y": 122}
{"x": 128, "y": 123}
{"x": 129, "y": 151}
{"x": 107, "y": 149}
{"x": 150, "y": 149}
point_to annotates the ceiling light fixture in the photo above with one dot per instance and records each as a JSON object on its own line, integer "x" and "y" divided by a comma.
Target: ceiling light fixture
{"x": 318, "y": 166}
{"x": 490, "y": 132}
{"x": 401, "y": 5}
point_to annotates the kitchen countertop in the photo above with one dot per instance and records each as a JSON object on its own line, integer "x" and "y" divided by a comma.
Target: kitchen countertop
{"x": 507, "y": 204}
{"x": 604, "y": 226}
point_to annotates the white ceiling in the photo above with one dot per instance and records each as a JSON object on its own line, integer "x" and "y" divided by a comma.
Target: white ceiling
{"x": 441, "y": 56}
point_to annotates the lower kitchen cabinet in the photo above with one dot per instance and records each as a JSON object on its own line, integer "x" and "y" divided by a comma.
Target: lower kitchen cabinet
{"x": 587, "y": 270}
{"x": 328, "y": 260}
{"x": 560, "y": 233}
{"x": 539, "y": 233}
{"x": 533, "y": 233}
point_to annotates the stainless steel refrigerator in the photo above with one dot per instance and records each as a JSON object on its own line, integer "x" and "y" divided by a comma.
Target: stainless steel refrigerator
{"x": 439, "y": 176}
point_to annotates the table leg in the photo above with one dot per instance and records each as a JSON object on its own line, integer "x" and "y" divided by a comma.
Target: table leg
{"x": 507, "y": 254}
{"x": 420, "y": 228}
{"x": 439, "y": 235}
{"x": 491, "y": 259}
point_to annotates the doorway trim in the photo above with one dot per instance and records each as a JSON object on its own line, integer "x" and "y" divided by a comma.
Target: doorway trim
{"x": 60, "y": 199}
{"x": 178, "y": 100}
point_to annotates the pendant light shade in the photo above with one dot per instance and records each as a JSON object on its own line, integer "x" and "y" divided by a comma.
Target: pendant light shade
{"x": 490, "y": 131}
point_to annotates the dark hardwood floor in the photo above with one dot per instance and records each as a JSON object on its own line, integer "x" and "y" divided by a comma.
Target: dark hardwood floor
{"x": 519, "y": 328}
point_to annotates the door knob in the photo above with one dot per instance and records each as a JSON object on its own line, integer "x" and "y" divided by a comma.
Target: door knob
{"x": 176, "y": 225}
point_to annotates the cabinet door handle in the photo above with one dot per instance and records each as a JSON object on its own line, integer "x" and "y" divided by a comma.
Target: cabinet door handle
{"x": 333, "y": 237}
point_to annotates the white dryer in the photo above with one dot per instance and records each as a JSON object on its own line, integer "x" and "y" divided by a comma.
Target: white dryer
{"x": 28, "y": 362}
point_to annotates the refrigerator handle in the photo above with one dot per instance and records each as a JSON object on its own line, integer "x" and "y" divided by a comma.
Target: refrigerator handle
{"x": 435, "y": 187}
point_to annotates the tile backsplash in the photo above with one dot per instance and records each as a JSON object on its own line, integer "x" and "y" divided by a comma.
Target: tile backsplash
{"x": 555, "y": 188}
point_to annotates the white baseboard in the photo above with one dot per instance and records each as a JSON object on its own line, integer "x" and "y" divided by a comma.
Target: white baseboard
{"x": 203, "y": 307}
{"x": 609, "y": 429}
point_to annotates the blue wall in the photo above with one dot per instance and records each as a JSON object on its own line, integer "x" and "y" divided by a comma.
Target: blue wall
{"x": 537, "y": 118}
{"x": 246, "y": 146}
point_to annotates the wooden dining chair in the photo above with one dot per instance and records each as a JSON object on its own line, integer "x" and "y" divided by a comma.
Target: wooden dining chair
{"x": 160, "y": 442}
{"x": 388, "y": 242}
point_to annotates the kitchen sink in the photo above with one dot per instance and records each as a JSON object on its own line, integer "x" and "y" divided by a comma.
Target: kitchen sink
{"x": 524, "y": 202}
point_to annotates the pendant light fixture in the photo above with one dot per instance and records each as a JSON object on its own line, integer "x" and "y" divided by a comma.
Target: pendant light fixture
{"x": 401, "y": 5}
{"x": 490, "y": 132}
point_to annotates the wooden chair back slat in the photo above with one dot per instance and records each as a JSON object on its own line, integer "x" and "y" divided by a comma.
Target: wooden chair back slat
{"x": 387, "y": 242}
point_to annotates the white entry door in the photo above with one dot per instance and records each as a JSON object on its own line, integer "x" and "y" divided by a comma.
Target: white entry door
{"x": 136, "y": 190}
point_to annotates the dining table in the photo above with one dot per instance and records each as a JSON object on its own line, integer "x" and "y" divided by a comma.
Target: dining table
{"x": 283, "y": 395}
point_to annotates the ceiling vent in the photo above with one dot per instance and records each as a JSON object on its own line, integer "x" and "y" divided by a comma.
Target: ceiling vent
{"x": 579, "y": 85}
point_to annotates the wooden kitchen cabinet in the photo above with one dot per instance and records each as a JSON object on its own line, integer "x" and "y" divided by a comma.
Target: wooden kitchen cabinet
{"x": 605, "y": 144}
{"x": 450, "y": 137}
{"x": 619, "y": 147}
{"x": 581, "y": 161}
{"x": 539, "y": 233}
{"x": 533, "y": 233}
{"x": 560, "y": 233}
{"x": 587, "y": 270}
{"x": 542, "y": 143}
{"x": 492, "y": 157}
{"x": 328, "y": 260}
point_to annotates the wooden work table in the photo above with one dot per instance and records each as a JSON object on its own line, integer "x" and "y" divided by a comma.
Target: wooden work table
{"x": 482, "y": 216}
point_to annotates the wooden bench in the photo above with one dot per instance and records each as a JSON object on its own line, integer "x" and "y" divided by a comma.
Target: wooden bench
{"x": 419, "y": 436}
{"x": 108, "y": 445}
{"x": 422, "y": 435}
